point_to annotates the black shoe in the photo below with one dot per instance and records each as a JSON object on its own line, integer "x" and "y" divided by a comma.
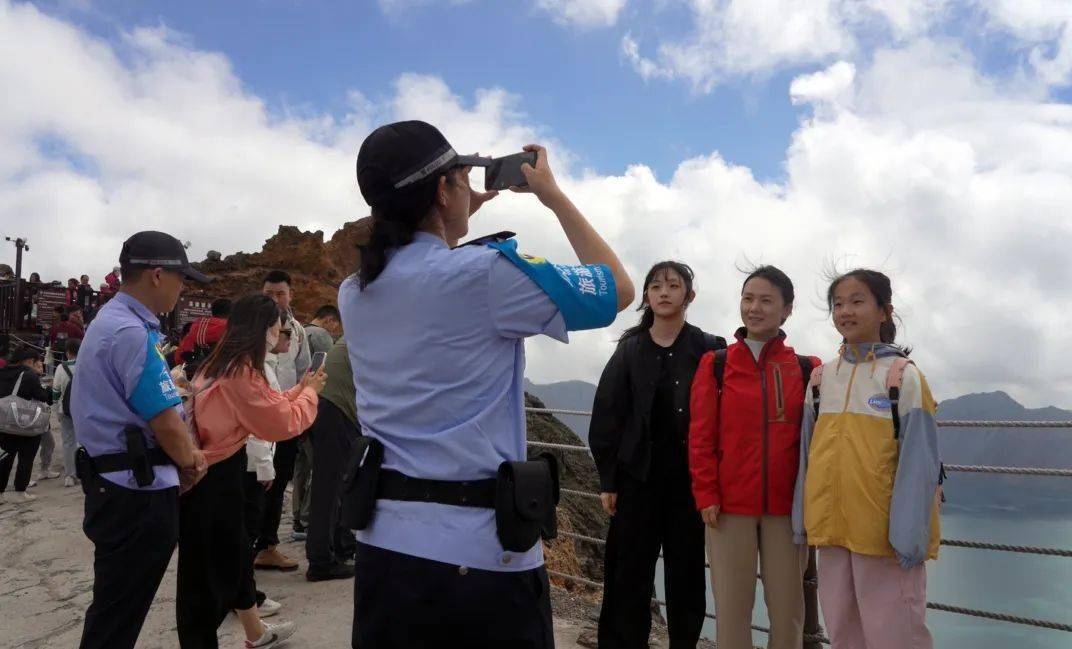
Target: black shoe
{"x": 330, "y": 571}
{"x": 298, "y": 527}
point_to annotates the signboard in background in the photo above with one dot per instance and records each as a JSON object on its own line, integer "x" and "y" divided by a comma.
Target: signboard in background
{"x": 192, "y": 308}
{"x": 48, "y": 300}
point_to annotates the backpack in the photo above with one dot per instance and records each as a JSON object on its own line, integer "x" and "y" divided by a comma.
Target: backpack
{"x": 894, "y": 379}
{"x": 65, "y": 401}
{"x": 201, "y": 351}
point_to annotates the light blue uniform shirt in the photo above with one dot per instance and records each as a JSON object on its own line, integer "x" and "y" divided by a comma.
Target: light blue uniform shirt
{"x": 436, "y": 345}
{"x": 121, "y": 379}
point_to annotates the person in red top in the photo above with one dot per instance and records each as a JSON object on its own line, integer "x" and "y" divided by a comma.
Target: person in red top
{"x": 744, "y": 449}
{"x": 203, "y": 335}
{"x": 64, "y": 330}
{"x": 112, "y": 280}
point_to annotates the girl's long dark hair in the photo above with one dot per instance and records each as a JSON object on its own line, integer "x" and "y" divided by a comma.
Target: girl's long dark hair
{"x": 245, "y": 341}
{"x": 647, "y": 318}
{"x": 394, "y": 222}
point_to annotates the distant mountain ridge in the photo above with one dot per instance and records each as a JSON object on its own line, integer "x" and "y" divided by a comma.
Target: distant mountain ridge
{"x": 1020, "y": 447}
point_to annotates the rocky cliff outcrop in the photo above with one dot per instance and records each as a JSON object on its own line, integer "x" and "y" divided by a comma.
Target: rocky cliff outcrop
{"x": 578, "y": 514}
{"x": 316, "y": 267}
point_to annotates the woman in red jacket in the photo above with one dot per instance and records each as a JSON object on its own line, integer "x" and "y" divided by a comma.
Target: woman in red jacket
{"x": 744, "y": 448}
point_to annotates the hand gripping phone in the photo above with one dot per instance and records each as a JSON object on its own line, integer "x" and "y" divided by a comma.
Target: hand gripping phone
{"x": 505, "y": 172}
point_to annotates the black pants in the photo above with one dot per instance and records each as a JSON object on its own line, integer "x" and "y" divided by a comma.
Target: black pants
{"x": 405, "y": 602}
{"x": 253, "y": 495}
{"x": 651, "y": 515}
{"x": 133, "y": 535}
{"x": 333, "y": 438}
{"x": 215, "y": 572}
{"x": 22, "y": 448}
{"x": 285, "y": 454}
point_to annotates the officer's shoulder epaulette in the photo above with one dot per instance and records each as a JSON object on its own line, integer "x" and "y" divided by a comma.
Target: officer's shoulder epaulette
{"x": 491, "y": 238}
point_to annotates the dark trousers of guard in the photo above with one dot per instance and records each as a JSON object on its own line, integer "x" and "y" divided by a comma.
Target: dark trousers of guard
{"x": 133, "y": 534}
{"x": 405, "y": 602}
{"x": 215, "y": 573}
{"x": 285, "y": 454}
{"x": 653, "y": 515}
{"x": 333, "y": 438}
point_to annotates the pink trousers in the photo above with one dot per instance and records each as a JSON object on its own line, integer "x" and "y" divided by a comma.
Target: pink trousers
{"x": 871, "y": 602}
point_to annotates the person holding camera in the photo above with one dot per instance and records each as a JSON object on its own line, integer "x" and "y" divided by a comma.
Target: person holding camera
{"x": 435, "y": 337}
{"x": 233, "y": 400}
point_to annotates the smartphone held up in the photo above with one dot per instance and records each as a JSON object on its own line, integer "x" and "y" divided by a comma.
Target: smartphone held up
{"x": 505, "y": 172}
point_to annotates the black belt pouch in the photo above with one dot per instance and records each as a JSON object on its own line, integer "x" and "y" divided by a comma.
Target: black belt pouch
{"x": 144, "y": 474}
{"x": 526, "y": 494}
{"x": 359, "y": 483}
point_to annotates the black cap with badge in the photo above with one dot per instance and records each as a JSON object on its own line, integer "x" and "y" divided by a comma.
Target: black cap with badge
{"x": 152, "y": 249}
{"x": 395, "y": 157}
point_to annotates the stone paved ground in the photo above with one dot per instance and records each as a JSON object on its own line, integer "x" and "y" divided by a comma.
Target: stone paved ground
{"x": 46, "y": 579}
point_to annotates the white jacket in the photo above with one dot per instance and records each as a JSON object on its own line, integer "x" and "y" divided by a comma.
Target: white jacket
{"x": 259, "y": 453}
{"x": 293, "y": 364}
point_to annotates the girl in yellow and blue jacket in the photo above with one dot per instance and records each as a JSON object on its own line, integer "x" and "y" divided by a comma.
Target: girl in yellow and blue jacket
{"x": 867, "y": 491}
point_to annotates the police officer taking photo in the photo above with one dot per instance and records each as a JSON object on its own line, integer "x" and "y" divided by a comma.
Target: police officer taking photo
{"x": 135, "y": 449}
{"x": 450, "y": 514}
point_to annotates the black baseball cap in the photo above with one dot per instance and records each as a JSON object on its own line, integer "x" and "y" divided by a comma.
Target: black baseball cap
{"x": 397, "y": 156}
{"x": 152, "y": 249}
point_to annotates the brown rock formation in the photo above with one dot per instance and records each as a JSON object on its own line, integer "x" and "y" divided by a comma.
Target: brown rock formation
{"x": 316, "y": 268}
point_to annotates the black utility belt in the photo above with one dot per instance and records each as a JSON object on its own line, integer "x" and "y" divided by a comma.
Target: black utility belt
{"x": 139, "y": 458}
{"x": 524, "y": 494}
{"x": 393, "y": 485}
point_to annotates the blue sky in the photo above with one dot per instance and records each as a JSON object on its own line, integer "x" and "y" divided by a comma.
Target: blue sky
{"x": 299, "y": 56}
{"x": 931, "y": 139}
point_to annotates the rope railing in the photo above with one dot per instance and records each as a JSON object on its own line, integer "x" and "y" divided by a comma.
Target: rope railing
{"x": 967, "y": 468}
{"x": 953, "y": 543}
{"x": 948, "y": 423}
{"x": 956, "y": 468}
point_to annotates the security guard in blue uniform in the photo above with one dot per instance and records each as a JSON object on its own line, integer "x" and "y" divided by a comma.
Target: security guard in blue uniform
{"x": 135, "y": 449}
{"x": 450, "y": 514}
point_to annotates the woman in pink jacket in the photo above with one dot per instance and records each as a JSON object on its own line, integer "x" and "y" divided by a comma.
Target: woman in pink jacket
{"x": 232, "y": 400}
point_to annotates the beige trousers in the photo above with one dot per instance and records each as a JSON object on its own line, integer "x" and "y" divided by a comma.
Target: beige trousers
{"x": 733, "y": 549}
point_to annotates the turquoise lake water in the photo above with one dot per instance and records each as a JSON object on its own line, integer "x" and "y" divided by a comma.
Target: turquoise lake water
{"x": 1018, "y": 584}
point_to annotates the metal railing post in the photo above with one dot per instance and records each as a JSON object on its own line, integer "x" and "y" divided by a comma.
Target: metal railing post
{"x": 812, "y": 629}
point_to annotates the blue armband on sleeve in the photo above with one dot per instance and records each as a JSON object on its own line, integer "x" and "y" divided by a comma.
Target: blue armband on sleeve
{"x": 585, "y": 295}
{"x": 154, "y": 392}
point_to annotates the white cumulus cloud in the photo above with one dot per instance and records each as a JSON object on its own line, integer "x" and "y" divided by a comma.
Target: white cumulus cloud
{"x": 955, "y": 183}
{"x": 583, "y": 13}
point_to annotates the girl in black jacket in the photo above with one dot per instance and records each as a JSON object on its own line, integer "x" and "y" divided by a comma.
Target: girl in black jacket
{"x": 638, "y": 436}
{"x": 28, "y": 363}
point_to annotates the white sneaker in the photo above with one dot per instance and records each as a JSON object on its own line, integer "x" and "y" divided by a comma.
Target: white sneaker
{"x": 268, "y": 608}
{"x": 69, "y": 481}
{"x": 48, "y": 475}
{"x": 27, "y": 497}
{"x": 33, "y": 483}
{"x": 274, "y": 635}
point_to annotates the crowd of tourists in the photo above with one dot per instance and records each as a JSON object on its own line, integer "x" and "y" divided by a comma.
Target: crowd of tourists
{"x": 397, "y": 416}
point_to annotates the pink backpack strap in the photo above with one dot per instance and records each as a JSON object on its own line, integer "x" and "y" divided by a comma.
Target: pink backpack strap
{"x": 894, "y": 378}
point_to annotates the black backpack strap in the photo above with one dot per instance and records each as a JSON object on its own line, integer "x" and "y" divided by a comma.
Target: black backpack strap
{"x": 805, "y": 371}
{"x": 713, "y": 342}
{"x": 719, "y": 368}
